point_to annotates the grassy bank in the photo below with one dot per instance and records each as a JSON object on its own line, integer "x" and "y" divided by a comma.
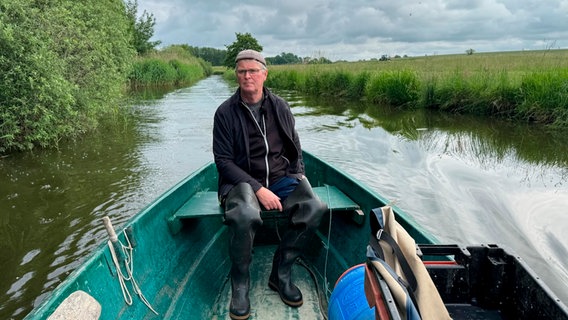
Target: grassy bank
{"x": 172, "y": 66}
{"x": 530, "y": 86}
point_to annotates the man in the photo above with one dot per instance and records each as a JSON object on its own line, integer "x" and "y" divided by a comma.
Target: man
{"x": 259, "y": 159}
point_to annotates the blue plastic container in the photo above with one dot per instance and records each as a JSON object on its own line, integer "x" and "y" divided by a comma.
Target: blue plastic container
{"x": 348, "y": 300}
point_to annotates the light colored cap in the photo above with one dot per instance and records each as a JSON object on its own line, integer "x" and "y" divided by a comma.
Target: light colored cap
{"x": 250, "y": 54}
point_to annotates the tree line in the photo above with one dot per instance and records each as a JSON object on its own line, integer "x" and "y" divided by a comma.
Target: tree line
{"x": 225, "y": 57}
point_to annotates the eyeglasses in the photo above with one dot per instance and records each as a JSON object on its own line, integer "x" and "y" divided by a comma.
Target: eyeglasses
{"x": 252, "y": 72}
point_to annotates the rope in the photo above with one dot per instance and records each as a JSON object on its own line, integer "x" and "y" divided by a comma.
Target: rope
{"x": 323, "y": 304}
{"x": 327, "y": 246}
{"x": 128, "y": 253}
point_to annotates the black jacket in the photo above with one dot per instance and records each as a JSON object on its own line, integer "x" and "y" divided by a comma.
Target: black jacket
{"x": 231, "y": 145}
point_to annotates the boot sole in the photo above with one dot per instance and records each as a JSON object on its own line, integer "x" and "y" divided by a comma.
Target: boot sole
{"x": 294, "y": 304}
{"x": 235, "y": 317}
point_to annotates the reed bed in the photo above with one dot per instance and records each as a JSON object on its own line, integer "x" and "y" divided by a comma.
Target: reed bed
{"x": 529, "y": 86}
{"x": 172, "y": 66}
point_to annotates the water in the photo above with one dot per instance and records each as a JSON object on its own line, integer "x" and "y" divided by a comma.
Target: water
{"x": 467, "y": 180}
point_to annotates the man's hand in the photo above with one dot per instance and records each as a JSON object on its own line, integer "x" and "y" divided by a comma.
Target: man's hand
{"x": 268, "y": 199}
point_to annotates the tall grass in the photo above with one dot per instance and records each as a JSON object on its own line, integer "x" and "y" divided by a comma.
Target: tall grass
{"x": 544, "y": 97}
{"x": 396, "y": 88}
{"x": 173, "y": 66}
{"x": 524, "y": 86}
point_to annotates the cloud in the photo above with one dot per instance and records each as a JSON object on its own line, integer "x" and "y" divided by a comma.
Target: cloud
{"x": 359, "y": 29}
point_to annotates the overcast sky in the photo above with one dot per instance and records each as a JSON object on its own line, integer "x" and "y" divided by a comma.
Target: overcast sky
{"x": 359, "y": 29}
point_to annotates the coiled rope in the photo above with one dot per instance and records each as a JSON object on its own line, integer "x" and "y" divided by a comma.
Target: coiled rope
{"x": 126, "y": 255}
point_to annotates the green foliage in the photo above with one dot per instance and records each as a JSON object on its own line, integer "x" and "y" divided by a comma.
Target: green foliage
{"x": 396, "y": 88}
{"x": 172, "y": 66}
{"x": 35, "y": 99}
{"x": 489, "y": 93}
{"x": 320, "y": 60}
{"x": 544, "y": 97}
{"x": 243, "y": 42}
{"x": 93, "y": 41}
{"x": 63, "y": 65}
{"x": 153, "y": 71}
{"x": 142, "y": 28}
{"x": 529, "y": 86}
{"x": 284, "y": 58}
{"x": 214, "y": 56}
{"x": 454, "y": 93}
{"x": 357, "y": 85}
{"x": 334, "y": 83}
{"x": 285, "y": 80}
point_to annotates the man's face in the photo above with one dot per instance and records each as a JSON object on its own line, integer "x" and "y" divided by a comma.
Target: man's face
{"x": 251, "y": 76}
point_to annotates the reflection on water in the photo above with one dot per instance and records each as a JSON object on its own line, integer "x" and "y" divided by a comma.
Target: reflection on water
{"x": 50, "y": 202}
{"x": 467, "y": 180}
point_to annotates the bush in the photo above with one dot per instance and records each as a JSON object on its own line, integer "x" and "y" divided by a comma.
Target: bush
{"x": 64, "y": 64}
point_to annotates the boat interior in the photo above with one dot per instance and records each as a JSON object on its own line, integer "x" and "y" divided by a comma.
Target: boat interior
{"x": 181, "y": 264}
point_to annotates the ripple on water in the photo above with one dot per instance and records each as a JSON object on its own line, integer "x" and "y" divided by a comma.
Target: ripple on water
{"x": 18, "y": 287}
{"x": 30, "y": 256}
{"x": 541, "y": 216}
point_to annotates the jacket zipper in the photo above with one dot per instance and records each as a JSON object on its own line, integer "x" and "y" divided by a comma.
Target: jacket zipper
{"x": 267, "y": 149}
{"x": 263, "y": 133}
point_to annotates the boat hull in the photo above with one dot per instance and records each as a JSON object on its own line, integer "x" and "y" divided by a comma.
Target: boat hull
{"x": 182, "y": 266}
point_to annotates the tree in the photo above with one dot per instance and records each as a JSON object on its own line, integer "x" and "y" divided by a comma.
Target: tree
{"x": 142, "y": 28}
{"x": 320, "y": 60}
{"x": 215, "y": 56}
{"x": 284, "y": 58}
{"x": 243, "y": 42}
{"x": 469, "y": 52}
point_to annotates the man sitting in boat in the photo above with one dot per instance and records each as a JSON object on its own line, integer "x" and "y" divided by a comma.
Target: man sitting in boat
{"x": 259, "y": 159}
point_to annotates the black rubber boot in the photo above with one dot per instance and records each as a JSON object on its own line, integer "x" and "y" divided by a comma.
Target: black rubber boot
{"x": 305, "y": 212}
{"x": 281, "y": 278}
{"x": 240, "y": 284}
{"x": 242, "y": 215}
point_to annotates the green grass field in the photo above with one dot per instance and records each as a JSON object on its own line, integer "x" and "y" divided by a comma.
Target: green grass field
{"x": 529, "y": 86}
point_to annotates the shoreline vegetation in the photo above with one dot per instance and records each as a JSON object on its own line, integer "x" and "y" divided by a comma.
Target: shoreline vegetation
{"x": 524, "y": 86}
{"x": 173, "y": 66}
{"x": 68, "y": 67}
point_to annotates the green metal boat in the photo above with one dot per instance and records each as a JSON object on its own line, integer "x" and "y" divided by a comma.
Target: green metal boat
{"x": 171, "y": 261}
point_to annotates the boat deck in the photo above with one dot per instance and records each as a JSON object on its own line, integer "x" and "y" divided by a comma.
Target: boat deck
{"x": 265, "y": 303}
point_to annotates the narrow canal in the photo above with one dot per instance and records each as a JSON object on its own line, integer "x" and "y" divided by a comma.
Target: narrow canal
{"x": 467, "y": 180}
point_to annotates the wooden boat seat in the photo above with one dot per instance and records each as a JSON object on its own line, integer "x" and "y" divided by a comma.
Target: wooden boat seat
{"x": 205, "y": 204}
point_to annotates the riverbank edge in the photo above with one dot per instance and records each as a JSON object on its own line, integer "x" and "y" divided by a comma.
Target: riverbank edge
{"x": 491, "y": 89}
